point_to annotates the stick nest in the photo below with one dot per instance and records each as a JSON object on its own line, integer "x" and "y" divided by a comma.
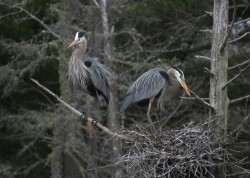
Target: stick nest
{"x": 193, "y": 151}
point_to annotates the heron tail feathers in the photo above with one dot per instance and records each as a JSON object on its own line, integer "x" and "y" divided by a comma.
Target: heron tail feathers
{"x": 126, "y": 103}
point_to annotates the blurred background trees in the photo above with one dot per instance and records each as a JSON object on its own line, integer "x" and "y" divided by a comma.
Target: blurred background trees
{"x": 39, "y": 138}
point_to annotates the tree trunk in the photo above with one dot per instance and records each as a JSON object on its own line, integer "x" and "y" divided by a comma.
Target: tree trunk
{"x": 113, "y": 122}
{"x": 219, "y": 66}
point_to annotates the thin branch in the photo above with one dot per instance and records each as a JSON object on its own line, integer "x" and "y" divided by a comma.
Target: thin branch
{"x": 229, "y": 30}
{"x": 202, "y": 101}
{"x": 203, "y": 57}
{"x": 242, "y": 21}
{"x": 192, "y": 98}
{"x": 239, "y": 38}
{"x": 96, "y": 3}
{"x": 239, "y": 99}
{"x": 209, "y": 72}
{"x": 239, "y": 65}
{"x": 206, "y": 31}
{"x": 209, "y": 13}
{"x": 13, "y": 13}
{"x": 78, "y": 113}
{"x": 34, "y": 18}
{"x": 235, "y": 77}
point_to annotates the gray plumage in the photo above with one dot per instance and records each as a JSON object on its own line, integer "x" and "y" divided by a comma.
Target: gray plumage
{"x": 155, "y": 83}
{"x": 87, "y": 73}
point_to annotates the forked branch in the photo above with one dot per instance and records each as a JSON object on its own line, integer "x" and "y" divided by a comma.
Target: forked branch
{"x": 239, "y": 65}
{"x": 78, "y": 113}
{"x": 235, "y": 77}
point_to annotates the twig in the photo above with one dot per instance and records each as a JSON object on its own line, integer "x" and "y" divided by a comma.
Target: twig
{"x": 203, "y": 57}
{"x": 202, "y": 101}
{"x": 239, "y": 38}
{"x": 235, "y": 77}
{"x": 239, "y": 99}
{"x": 78, "y": 113}
{"x": 229, "y": 30}
{"x": 239, "y": 65}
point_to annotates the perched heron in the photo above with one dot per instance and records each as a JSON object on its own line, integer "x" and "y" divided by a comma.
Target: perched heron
{"x": 88, "y": 74}
{"x": 155, "y": 84}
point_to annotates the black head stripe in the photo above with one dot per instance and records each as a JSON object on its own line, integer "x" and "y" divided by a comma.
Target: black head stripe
{"x": 179, "y": 70}
{"x": 80, "y": 34}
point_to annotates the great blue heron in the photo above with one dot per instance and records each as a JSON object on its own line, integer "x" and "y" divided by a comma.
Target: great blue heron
{"x": 88, "y": 74}
{"x": 155, "y": 84}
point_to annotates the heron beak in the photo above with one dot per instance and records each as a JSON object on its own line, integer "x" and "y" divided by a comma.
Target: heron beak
{"x": 184, "y": 85}
{"x": 72, "y": 44}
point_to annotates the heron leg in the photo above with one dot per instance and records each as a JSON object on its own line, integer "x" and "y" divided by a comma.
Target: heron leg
{"x": 89, "y": 124}
{"x": 151, "y": 100}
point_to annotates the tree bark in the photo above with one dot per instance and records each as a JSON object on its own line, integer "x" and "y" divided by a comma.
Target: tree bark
{"x": 113, "y": 122}
{"x": 219, "y": 66}
{"x": 219, "y": 63}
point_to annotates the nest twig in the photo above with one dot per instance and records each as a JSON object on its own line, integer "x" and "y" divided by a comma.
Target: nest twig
{"x": 193, "y": 151}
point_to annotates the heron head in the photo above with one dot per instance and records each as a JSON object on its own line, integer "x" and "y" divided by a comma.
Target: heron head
{"x": 79, "y": 39}
{"x": 179, "y": 76}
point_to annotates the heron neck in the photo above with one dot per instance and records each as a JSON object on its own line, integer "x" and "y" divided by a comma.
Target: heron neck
{"x": 80, "y": 50}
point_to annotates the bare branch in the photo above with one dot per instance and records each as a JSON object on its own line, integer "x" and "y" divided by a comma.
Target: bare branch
{"x": 96, "y": 3}
{"x": 235, "y": 77}
{"x": 203, "y": 57}
{"x": 192, "y": 98}
{"x": 209, "y": 13}
{"x": 239, "y": 99}
{"x": 239, "y": 38}
{"x": 202, "y": 101}
{"x": 229, "y": 30}
{"x": 242, "y": 21}
{"x": 239, "y": 65}
{"x": 34, "y": 18}
{"x": 206, "y": 31}
{"x": 78, "y": 113}
{"x": 209, "y": 72}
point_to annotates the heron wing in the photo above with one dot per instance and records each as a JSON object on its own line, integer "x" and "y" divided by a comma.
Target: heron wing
{"x": 100, "y": 76}
{"x": 146, "y": 86}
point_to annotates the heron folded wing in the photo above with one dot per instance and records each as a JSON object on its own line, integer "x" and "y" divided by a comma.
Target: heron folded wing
{"x": 100, "y": 76}
{"x": 146, "y": 86}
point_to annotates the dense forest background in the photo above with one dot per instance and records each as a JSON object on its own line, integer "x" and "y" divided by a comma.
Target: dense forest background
{"x": 40, "y": 138}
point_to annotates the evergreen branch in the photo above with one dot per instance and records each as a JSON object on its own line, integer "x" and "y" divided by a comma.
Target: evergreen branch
{"x": 34, "y": 18}
{"x": 78, "y": 113}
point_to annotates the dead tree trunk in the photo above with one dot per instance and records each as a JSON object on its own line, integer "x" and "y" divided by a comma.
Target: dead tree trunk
{"x": 219, "y": 66}
{"x": 219, "y": 63}
{"x": 113, "y": 122}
